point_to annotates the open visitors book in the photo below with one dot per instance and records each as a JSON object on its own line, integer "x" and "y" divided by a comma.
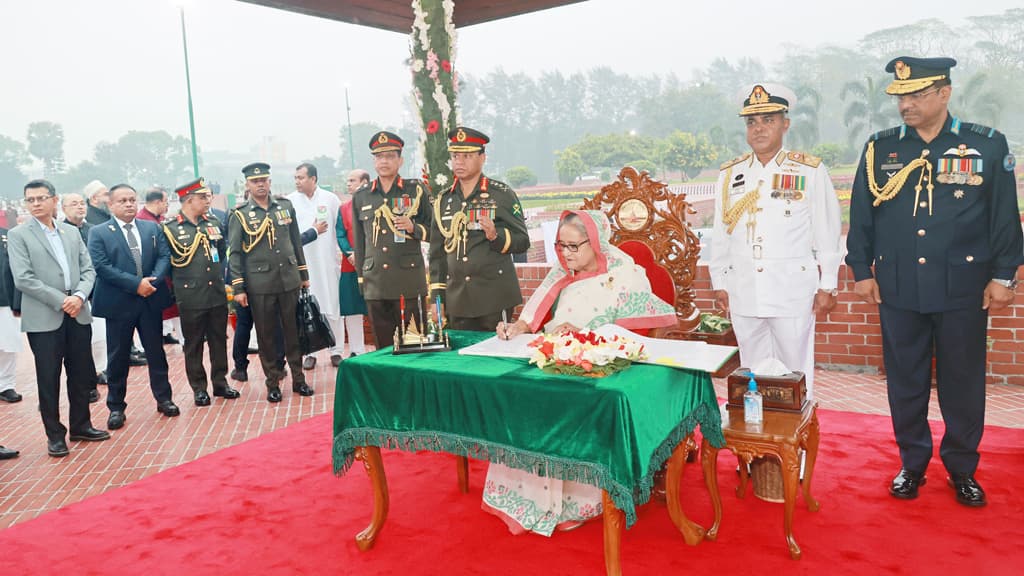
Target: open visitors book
{"x": 692, "y": 355}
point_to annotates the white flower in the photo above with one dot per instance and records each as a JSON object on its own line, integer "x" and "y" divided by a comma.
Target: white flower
{"x": 417, "y": 65}
{"x": 441, "y": 180}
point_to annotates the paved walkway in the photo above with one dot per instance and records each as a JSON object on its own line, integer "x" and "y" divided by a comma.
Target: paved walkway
{"x": 35, "y": 483}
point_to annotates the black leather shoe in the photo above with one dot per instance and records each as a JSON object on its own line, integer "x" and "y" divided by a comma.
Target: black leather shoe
{"x": 274, "y": 395}
{"x": 309, "y": 362}
{"x": 94, "y": 396}
{"x": 239, "y": 375}
{"x": 302, "y": 389}
{"x": 250, "y": 351}
{"x": 7, "y": 453}
{"x": 57, "y": 448}
{"x": 101, "y": 378}
{"x": 137, "y": 359}
{"x": 226, "y": 392}
{"x": 170, "y": 339}
{"x": 906, "y": 483}
{"x": 116, "y": 420}
{"x": 968, "y": 491}
{"x": 90, "y": 434}
{"x": 10, "y": 396}
{"x": 335, "y": 360}
{"x": 202, "y": 398}
{"x": 168, "y": 408}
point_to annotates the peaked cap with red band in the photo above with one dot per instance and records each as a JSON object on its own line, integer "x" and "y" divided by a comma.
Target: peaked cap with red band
{"x": 385, "y": 141}
{"x": 462, "y": 139}
{"x": 193, "y": 187}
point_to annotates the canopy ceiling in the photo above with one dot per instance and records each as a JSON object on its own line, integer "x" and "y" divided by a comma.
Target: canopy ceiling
{"x": 396, "y": 15}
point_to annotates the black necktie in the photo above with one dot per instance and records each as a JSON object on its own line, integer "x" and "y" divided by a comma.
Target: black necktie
{"x": 133, "y": 245}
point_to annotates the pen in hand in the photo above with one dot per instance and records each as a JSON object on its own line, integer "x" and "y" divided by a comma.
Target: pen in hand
{"x": 504, "y": 323}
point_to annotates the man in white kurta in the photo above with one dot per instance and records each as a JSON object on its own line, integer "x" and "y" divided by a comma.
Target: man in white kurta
{"x": 10, "y": 328}
{"x": 775, "y": 244}
{"x": 316, "y": 212}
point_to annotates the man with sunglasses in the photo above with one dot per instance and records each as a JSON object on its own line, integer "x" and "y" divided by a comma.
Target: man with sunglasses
{"x": 478, "y": 225}
{"x": 775, "y": 248}
{"x": 935, "y": 241}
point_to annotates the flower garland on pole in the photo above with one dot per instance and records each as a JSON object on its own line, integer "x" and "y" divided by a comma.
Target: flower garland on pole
{"x": 432, "y": 44}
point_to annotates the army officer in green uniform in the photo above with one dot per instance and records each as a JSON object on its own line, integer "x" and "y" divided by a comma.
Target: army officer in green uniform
{"x": 391, "y": 219}
{"x": 197, "y": 273}
{"x": 478, "y": 225}
{"x": 267, "y": 269}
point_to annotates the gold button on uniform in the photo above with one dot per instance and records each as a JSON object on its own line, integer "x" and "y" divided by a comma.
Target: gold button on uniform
{"x": 384, "y": 249}
{"x": 467, "y": 278}
{"x": 923, "y": 204}
{"x": 760, "y": 269}
{"x": 921, "y": 260}
{"x": 385, "y": 266}
{"x": 921, "y": 232}
{"x": 969, "y": 258}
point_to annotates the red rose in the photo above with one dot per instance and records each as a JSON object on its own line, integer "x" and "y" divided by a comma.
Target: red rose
{"x": 446, "y": 66}
{"x": 433, "y": 126}
{"x": 547, "y": 348}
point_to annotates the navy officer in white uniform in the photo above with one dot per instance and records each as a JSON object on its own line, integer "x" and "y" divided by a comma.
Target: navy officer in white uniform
{"x": 775, "y": 244}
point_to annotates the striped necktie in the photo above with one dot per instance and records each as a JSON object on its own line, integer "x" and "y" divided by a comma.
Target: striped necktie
{"x": 133, "y": 245}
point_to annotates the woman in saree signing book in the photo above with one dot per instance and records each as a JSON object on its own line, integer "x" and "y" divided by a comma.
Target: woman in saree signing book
{"x": 594, "y": 284}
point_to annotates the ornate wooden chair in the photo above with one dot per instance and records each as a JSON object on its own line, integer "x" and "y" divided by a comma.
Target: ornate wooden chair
{"x": 648, "y": 223}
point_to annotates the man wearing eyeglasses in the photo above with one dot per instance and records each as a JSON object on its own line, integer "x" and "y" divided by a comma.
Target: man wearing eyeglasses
{"x": 775, "y": 248}
{"x": 478, "y": 225}
{"x": 52, "y": 268}
{"x": 935, "y": 241}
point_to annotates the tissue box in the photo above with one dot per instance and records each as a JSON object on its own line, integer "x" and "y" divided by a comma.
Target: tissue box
{"x": 786, "y": 393}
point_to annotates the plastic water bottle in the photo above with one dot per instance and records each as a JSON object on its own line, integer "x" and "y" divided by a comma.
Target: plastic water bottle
{"x": 753, "y": 406}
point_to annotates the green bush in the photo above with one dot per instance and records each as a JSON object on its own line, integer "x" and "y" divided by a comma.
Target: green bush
{"x": 518, "y": 176}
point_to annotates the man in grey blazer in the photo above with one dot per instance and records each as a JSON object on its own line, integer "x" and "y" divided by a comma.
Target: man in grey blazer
{"x": 52, "y": 269}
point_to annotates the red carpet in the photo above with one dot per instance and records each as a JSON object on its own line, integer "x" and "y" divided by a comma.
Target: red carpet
{"x": 272, "y": 506}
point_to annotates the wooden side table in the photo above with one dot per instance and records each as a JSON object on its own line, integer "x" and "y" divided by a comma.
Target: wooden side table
{"x": 782, "y": 434}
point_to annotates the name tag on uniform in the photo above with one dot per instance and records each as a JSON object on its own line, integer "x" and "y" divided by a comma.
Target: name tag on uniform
{"x": 365, "y": 208}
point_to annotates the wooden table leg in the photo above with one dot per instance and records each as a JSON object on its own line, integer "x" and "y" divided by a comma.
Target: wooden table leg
{"x": 709, "y": 460}
{"x": 693, "y": 533}
{"x": 744, "y": 465}
{"x": 790, "y": 481}
{"x": 370, "y": 455}
{"x": 811, "y": 445}
{"x": 462, "y": 466}
{"x": 614, "y": 519}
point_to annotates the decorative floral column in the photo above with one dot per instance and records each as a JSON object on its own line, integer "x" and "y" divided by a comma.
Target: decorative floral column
{"x": 434, "y": 84}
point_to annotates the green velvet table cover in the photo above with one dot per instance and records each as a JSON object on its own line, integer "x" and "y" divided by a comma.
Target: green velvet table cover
{"x": 612, "y": 432}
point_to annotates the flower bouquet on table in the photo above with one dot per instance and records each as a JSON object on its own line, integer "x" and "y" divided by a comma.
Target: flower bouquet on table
{"x": 584, "y": 353}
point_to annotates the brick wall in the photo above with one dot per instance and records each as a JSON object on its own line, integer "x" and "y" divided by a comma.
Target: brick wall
{"x": 849, "y": 337}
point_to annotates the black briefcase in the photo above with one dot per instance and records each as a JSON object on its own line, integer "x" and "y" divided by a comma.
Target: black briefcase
{"x": 314, "y": 331}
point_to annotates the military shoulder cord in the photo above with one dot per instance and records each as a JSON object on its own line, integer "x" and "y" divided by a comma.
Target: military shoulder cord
{"x": 183, "y": 255}
{"x": 748, "y": 203}
{"x": 384, "y": 213}
{"x": 896, "y": 181}
{"x": 266, "y": 228}
{"x": 455, "y": 236}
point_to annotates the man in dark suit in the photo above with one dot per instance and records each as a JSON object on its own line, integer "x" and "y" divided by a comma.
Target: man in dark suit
{"x": 935, "y": 241}
{"x": 52, "y": 269}
{"x": 132, "y": 262}
{"x": 73, "y": 206}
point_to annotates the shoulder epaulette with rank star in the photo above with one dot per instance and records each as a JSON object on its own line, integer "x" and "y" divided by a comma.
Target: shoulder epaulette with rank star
{"x": 500, "y": 185}
{"x": 887, "y": 133}
{"x": 980, "y": 129}
{"x": 734, "y": 161}
{"x": 805, "y": 159}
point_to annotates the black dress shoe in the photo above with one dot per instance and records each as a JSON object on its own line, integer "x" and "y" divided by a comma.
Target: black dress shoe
{"x": 101, "y": 378}
{"x": 90, "y": 434}
{"x": 968, "y": 491}
{"x": 7, "y": 453}
{"x": 137, "y": 359}
{"x": 302, "y": 389}
{"x": 239, "y": 375}
{"x": 906, "y": 483}
{"x": 309, "y": 362}
{"x": 274, "y": 394}
{"x": 335, "y": 360}
{"x": 250, "y": 351}
{"x": 168, "y": 408}
{"x": 226, "y": 392}
{"x": 57, "y": 448}
{"x": 10, "y": 396}
{"x": 116, "y": 420}
{"x": 94, "y": 396}
{"x": 170, "y": 339}
{"x": 202, "y": 398}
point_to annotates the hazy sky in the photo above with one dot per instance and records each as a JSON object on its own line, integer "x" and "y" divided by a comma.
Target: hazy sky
{"x": 103, "y": 67}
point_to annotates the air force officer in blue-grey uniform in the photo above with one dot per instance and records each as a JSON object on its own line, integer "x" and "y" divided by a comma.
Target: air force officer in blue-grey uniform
{"x": 934, "y": 209}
